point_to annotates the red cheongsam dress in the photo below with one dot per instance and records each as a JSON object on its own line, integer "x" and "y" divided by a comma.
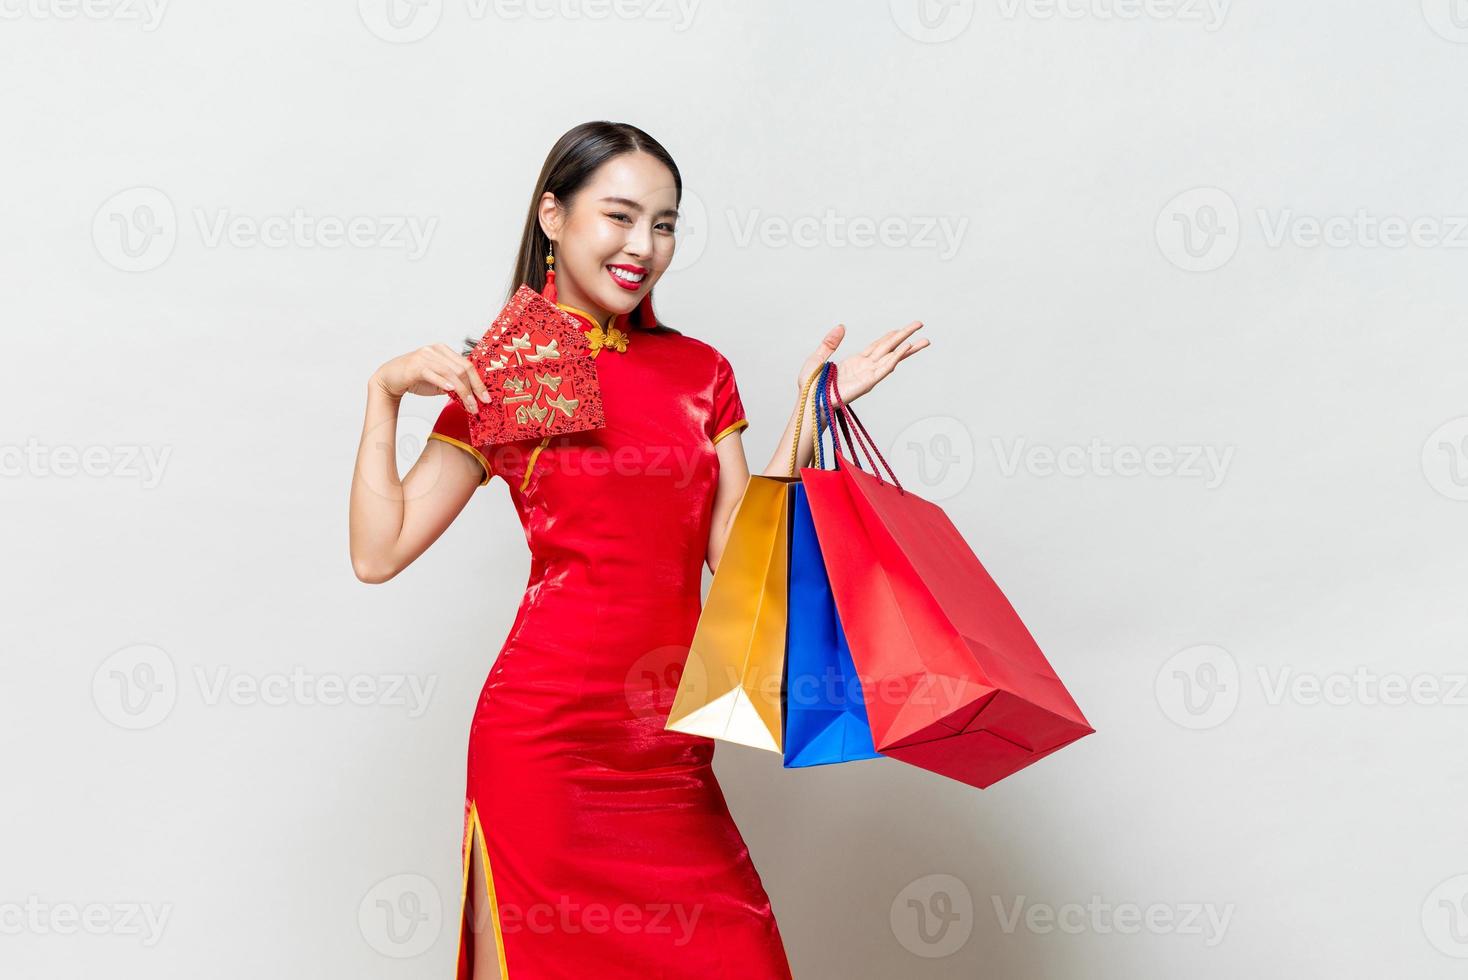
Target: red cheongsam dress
{"x": 607, "y": 843}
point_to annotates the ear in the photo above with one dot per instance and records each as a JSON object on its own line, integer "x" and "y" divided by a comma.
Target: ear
{"x": 550, "y": 215}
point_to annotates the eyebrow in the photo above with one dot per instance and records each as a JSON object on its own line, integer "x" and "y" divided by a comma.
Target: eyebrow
{"x": 633, "y": 205}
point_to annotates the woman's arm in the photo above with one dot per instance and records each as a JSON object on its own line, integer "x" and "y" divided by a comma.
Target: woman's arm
{"x": 734, "y": 474}
{"x": 394, "y": 520}
{"x": 855, "y": 376}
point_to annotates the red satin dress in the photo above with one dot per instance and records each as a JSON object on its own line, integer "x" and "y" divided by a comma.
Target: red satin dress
{"x": 607, "y": 843}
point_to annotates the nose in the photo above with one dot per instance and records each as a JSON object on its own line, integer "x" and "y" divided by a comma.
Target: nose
{"x": 639, "y": 240}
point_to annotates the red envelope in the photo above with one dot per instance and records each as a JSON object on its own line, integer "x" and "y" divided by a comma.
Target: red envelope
{"x": 536, "y": 361}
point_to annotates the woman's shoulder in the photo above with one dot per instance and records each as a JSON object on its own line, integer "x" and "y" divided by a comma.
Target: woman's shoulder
{"x": 692, "y": 347}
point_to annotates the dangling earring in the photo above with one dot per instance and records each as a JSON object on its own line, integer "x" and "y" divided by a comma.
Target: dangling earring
{"x": 549, "y": 292}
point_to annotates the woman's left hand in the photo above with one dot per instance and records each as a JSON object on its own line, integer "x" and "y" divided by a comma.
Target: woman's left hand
{"x": 859, "y": 373}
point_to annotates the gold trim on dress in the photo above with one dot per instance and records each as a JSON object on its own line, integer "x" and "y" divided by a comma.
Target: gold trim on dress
{"x": 611, "y": 320}
{"x": 530, "y": 465}
{"x": 488, "y": 473}
{"x": 735, "y": 427}
{"x": 471, "y": 825}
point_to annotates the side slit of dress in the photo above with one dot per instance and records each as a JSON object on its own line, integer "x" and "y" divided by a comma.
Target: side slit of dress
{"x": 472, "y": 945}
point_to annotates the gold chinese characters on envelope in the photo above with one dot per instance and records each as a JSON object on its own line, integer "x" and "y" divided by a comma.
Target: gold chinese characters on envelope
{"x": 541, "y": 376}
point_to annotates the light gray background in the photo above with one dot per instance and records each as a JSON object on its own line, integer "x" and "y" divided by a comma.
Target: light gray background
{"x": 1132, "y": 190}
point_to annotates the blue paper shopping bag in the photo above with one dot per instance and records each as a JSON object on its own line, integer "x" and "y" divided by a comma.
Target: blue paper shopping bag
{"x": 824, "y": 714}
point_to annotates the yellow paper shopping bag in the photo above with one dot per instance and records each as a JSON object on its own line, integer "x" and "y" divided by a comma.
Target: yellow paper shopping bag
{"x": 730, "y": 688}
{"x": 732, "y": 679}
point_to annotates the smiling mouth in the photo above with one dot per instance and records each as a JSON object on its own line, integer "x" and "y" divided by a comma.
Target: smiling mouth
{"x": 627, "y": 277}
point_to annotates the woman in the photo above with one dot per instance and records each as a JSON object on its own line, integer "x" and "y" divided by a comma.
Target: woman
{"x": 596, "y": 843}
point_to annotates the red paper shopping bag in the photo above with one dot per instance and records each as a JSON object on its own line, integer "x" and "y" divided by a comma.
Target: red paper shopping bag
{"x": 953, "y": 681}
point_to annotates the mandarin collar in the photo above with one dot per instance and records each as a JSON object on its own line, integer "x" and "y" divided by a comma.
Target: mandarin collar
{"x": 617, "y": 320}
{"x": 614, "y": 338}
{"x": 591, "y": 321}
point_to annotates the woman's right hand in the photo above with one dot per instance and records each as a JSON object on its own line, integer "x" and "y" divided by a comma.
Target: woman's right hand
{"x": 435, "y": 369}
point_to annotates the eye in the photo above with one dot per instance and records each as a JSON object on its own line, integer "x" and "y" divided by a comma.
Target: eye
{"x": 618, "y": 215}
{"x": 666, "y": 226}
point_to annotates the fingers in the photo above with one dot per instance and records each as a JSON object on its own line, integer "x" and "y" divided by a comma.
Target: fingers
{"x": 466, "y": 370}
{"x": 888, "y": 361}
{"x": 831, "y": 341}
{"x": 445, "y": 371}
{"x": 446, "y": 385}
{"x": 889, "y": 340}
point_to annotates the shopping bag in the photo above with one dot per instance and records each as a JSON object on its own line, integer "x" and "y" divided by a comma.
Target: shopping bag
{"x": 730, "y": 685}
{"x": 823, "y": 715}
{"x": 952, "y": 679}
{"x": 733, "y": 676}
{"x": 825, "y": 718}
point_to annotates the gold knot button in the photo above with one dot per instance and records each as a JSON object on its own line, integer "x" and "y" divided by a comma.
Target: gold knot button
{"x": 613, "y": 338}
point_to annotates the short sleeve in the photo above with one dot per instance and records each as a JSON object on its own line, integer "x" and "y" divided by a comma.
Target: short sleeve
{"x": 452, "y": 427}
{"x": 728, "y": 410}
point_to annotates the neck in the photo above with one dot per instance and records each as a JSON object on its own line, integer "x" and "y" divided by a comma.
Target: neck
{"x": 572, "y": 299}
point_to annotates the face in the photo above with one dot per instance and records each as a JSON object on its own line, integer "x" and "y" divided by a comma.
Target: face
{"x": 616, "y": 237}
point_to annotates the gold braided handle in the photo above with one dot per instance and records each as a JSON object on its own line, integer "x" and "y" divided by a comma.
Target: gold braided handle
{"x": 805, "y": 393}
